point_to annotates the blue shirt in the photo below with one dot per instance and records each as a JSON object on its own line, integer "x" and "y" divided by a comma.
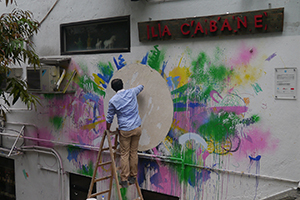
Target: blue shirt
{"x": 125, "y": 105}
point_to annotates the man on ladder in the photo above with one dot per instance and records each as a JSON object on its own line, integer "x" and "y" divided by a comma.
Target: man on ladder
{"x": 124, "y": 104}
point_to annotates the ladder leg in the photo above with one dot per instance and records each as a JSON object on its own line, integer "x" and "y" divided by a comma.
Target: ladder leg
{"x": 114, "y": 168}
{"x": 96, "y": 167}
{"x": 139, "y": 189}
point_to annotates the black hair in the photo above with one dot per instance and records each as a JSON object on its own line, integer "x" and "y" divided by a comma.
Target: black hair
{"x": 117, "y": 84}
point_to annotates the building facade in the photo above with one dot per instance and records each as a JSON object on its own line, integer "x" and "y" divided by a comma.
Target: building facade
{"x": 231, "y": 68}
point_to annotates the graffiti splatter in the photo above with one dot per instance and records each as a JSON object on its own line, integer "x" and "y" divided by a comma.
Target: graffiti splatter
{"x": 156, "y": 58}
{"x": 271, "y": 57}
{"x": 213, "y": 118}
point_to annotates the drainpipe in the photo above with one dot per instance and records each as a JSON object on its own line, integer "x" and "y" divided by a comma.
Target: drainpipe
{"x": 169, "y": 159}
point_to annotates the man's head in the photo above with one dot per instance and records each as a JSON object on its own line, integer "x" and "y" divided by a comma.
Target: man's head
{"x": 117, "y": 84}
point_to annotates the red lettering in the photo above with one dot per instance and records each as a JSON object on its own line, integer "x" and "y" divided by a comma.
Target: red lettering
{"x": 258, "y": 19}
{"x": 166, "y": 30}
{"x": 182, "y": 31}
{"x": 153, "y": 33}
{"x": 159, "y": 30}
{"x": 227, "y": 25}
{"x": 213, "y": 26}
{"x": 192, "y": 24}
{"x": 198, "y": 28}
{"x": 239, "y": 21}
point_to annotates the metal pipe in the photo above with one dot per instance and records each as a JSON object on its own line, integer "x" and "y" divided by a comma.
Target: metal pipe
{"x": 46, "y": 168}
{"x": 20, "y": 109}
{"x": 22, "y": 124}
{"x": 163, "y": 158}
{"x": 7, "y": 150}
{"x": 171, "y": 160}
{"x": 8, "y": 134}
{"x": 273, "y": 195}
{"x": 86, "y": 147}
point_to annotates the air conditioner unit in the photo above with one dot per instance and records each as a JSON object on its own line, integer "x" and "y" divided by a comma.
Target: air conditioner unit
{"x": 12, "y": 73}
{"x": 43, "y": 79}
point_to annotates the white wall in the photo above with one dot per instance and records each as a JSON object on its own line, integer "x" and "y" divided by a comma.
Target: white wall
{"x": 278, "y": 151}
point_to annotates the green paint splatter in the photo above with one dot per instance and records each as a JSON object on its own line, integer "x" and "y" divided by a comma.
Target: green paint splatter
{"x": 87, "y": 84}
{"x": 256, "y": 88}
{"x": 107, "y": 70}
{"x": 255, "y": 118}
{"x": 87, "y": 170}
{"x": 248, "y": 121}
{"x": 208, "y": 74}
{"x": 219, "y": 127}
{"x": 74, "y": 148}
{"x": 217, "y": 54}
{"x": 124, "y": 193}
{"x": 156, "y": 58}
{"x": 199, "y": 75}
{"x": 187, "y": 173}
{"x": 57, "y": 122}
{"x": 205, "y": 77}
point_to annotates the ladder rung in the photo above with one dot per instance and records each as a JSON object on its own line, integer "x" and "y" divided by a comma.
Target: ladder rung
{"x": 105, "y": 163}
{"x": 107, "y": 148}
{"x": 118, "y": 168}
{"x": 104, "y": 149}
{"x": 116, "y": 150}
{"x": 98, "y": 193}
{"x": 103, "y": 178}
{"x": 113, "y": 133}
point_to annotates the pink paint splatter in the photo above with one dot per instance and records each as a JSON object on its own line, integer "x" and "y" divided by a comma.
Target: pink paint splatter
{"x": 235, "y": 109}
{"x": 43, "y": 136}
{"x": 74, "y": 66}
{"x": 256, "y": 141}
{"x": 186, "y": 120}
{"x": 168, "y": 183}
{"x": 244, "y": 55}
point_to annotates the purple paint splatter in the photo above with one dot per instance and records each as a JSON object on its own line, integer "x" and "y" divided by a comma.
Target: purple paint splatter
{"x": 271, "y": 56}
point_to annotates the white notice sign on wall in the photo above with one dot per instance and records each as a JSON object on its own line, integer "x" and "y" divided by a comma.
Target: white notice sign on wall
{"x": 285, "y": 83}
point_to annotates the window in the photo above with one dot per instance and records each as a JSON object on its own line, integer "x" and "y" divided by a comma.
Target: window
{"x": 79, "y": 186}
{"x": 96, "y": 36}
{"x": 149, "y": 195}
{"x": 7, "y": 181}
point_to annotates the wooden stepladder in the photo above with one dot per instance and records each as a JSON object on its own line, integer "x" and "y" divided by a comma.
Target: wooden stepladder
{"x": 112, "y": 163}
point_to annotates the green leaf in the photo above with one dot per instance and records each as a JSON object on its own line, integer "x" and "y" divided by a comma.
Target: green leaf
{"x": 16, "y": 29}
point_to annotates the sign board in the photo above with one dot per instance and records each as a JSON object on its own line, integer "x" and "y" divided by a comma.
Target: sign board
{"x": 285, "y": 83}
{"x": 243, "y": 23}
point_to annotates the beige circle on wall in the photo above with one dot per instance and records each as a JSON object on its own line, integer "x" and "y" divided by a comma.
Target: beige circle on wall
{"x": 155, "y": 103}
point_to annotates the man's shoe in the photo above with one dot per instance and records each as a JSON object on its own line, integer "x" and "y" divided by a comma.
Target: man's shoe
{"x": 131, "y": 180}
{"x": 124, "y": 184}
